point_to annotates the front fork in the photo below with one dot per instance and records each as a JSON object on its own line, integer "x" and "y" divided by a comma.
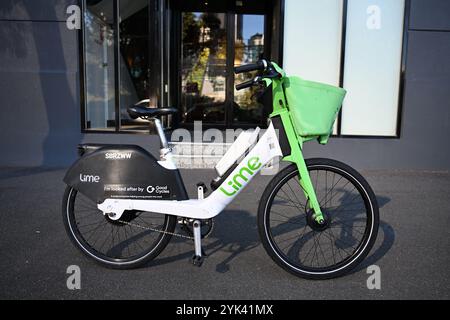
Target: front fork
{"x": 296, "y": 157}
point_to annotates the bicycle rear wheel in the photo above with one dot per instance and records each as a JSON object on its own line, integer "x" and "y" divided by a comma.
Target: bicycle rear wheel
{"x": 301, "y": 246}
{"x": 125, "y": 244}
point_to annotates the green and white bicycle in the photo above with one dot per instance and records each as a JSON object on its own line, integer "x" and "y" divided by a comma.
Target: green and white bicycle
{"x": 317, "y": 218}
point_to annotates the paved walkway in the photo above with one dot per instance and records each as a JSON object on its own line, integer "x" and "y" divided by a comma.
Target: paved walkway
{"x": 412, "y": 248}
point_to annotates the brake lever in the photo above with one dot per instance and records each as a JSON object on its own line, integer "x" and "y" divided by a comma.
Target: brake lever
{"x": 258, "y": 80}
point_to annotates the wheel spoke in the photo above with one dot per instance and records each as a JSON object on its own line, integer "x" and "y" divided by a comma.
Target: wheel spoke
{"x": 320, "y": 248}
{"x": 110, "y": 240}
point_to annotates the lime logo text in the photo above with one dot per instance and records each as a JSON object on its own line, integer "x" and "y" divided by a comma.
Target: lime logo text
{"x": 89, "y": 178}
{"x": 242, "y": 177}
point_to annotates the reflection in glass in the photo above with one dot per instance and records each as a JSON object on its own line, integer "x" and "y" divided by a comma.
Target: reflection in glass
{"x": 203, "y": 76}
{"x": 249, "y": 48}
{"x": 99, "y": 61}
{"x": 134, "y": 63}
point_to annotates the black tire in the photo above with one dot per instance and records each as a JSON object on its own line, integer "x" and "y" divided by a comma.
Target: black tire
{"x": 76, "y": 207}
{"x": 277, "y": 196}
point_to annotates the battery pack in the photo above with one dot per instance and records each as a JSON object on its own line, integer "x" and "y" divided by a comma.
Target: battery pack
{"x": 245, "y": 140}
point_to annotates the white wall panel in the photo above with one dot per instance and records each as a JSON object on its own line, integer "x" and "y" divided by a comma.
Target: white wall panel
{"x": 372, "y": 67}
{"x": 312, "y": 41}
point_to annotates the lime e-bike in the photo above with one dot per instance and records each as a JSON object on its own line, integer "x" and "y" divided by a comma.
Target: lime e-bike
{"x": 317, "y": 218}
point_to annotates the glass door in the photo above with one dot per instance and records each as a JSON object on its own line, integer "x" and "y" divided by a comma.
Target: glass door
{"x": 211, "y": 45}
{"x": 204, "y": 67}
{"x": 249, "y": 48}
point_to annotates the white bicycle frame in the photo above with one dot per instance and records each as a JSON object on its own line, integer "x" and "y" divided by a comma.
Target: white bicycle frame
{"x": 260, "y": 155}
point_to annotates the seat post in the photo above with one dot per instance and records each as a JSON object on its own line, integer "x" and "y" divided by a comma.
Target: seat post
{"x": 161, "y": 134}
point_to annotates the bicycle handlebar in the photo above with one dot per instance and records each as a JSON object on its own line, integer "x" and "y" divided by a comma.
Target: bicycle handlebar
{"x": 245, "y": 85}
{"x": 269, "y": 72}
{"x": 260, "y": 65}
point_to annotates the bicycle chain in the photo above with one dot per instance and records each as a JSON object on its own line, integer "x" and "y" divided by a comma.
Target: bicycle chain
{"x": 156, "y": 230}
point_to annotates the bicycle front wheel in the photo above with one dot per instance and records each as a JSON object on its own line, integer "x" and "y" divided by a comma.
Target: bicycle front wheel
{"x": 305, "y": 248}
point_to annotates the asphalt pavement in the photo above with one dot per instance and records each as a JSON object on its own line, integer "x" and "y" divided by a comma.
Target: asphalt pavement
{"x": 412, "y": 249}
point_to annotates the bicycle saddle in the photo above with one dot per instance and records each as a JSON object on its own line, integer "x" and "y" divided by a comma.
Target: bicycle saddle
{"x": 140, "y": 111}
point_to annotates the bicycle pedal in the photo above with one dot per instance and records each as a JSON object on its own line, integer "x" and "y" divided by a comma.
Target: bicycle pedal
{"x": 197, "y": 260}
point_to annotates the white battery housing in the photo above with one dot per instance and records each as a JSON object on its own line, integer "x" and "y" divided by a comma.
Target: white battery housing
{"x": 245, "y": 140}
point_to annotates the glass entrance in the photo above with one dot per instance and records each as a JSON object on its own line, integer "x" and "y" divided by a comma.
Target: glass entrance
{"x": 204, "y": 67}
{"x": 211, "y": 45}
{"x": 249, "y": 48}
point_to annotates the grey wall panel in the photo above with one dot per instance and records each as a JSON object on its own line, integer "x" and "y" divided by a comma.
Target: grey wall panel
{"x": 47, "y": 10}
{"x": 40, "y": 118}
{"x": 427, "y": 96}
{"x": 421, "y": 154}
{"x": 39, "y": 93}
{"x": 429, "y": 58}
{"x": 37, "y": 47}
{"x": 430, "y": 14}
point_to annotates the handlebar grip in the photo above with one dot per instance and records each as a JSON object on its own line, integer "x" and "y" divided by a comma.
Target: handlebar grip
{"x": 249, "y": 67}
{"x": 244, "y": 85}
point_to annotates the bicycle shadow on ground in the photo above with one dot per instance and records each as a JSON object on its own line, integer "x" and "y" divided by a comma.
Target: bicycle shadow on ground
{"x": 380, "y": 249}
{"x": 235, "y": 232}
{"x": 345, "y": 238}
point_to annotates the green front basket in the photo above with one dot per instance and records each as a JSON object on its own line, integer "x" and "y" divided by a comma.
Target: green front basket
{"x": 313, "y": 107}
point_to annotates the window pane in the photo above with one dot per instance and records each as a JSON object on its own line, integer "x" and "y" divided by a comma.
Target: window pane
{"x": 203, "y": 76}
{"x": 313, "y": 33}
{"x": 133, "y": 60}
{"x": 249, "y": 48}
{"x": 372, "y": 67}
{"x": 100, "y": 71}
{"x": 312, "y": 39}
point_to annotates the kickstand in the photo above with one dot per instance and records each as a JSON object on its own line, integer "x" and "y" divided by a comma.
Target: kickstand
{"x": 198, "y": 257}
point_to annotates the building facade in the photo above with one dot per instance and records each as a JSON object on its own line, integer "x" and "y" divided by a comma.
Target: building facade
{"x": 61, "y": 85}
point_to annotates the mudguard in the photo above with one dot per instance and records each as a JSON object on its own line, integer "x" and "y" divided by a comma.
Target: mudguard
{"x": 124, "y": 172}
